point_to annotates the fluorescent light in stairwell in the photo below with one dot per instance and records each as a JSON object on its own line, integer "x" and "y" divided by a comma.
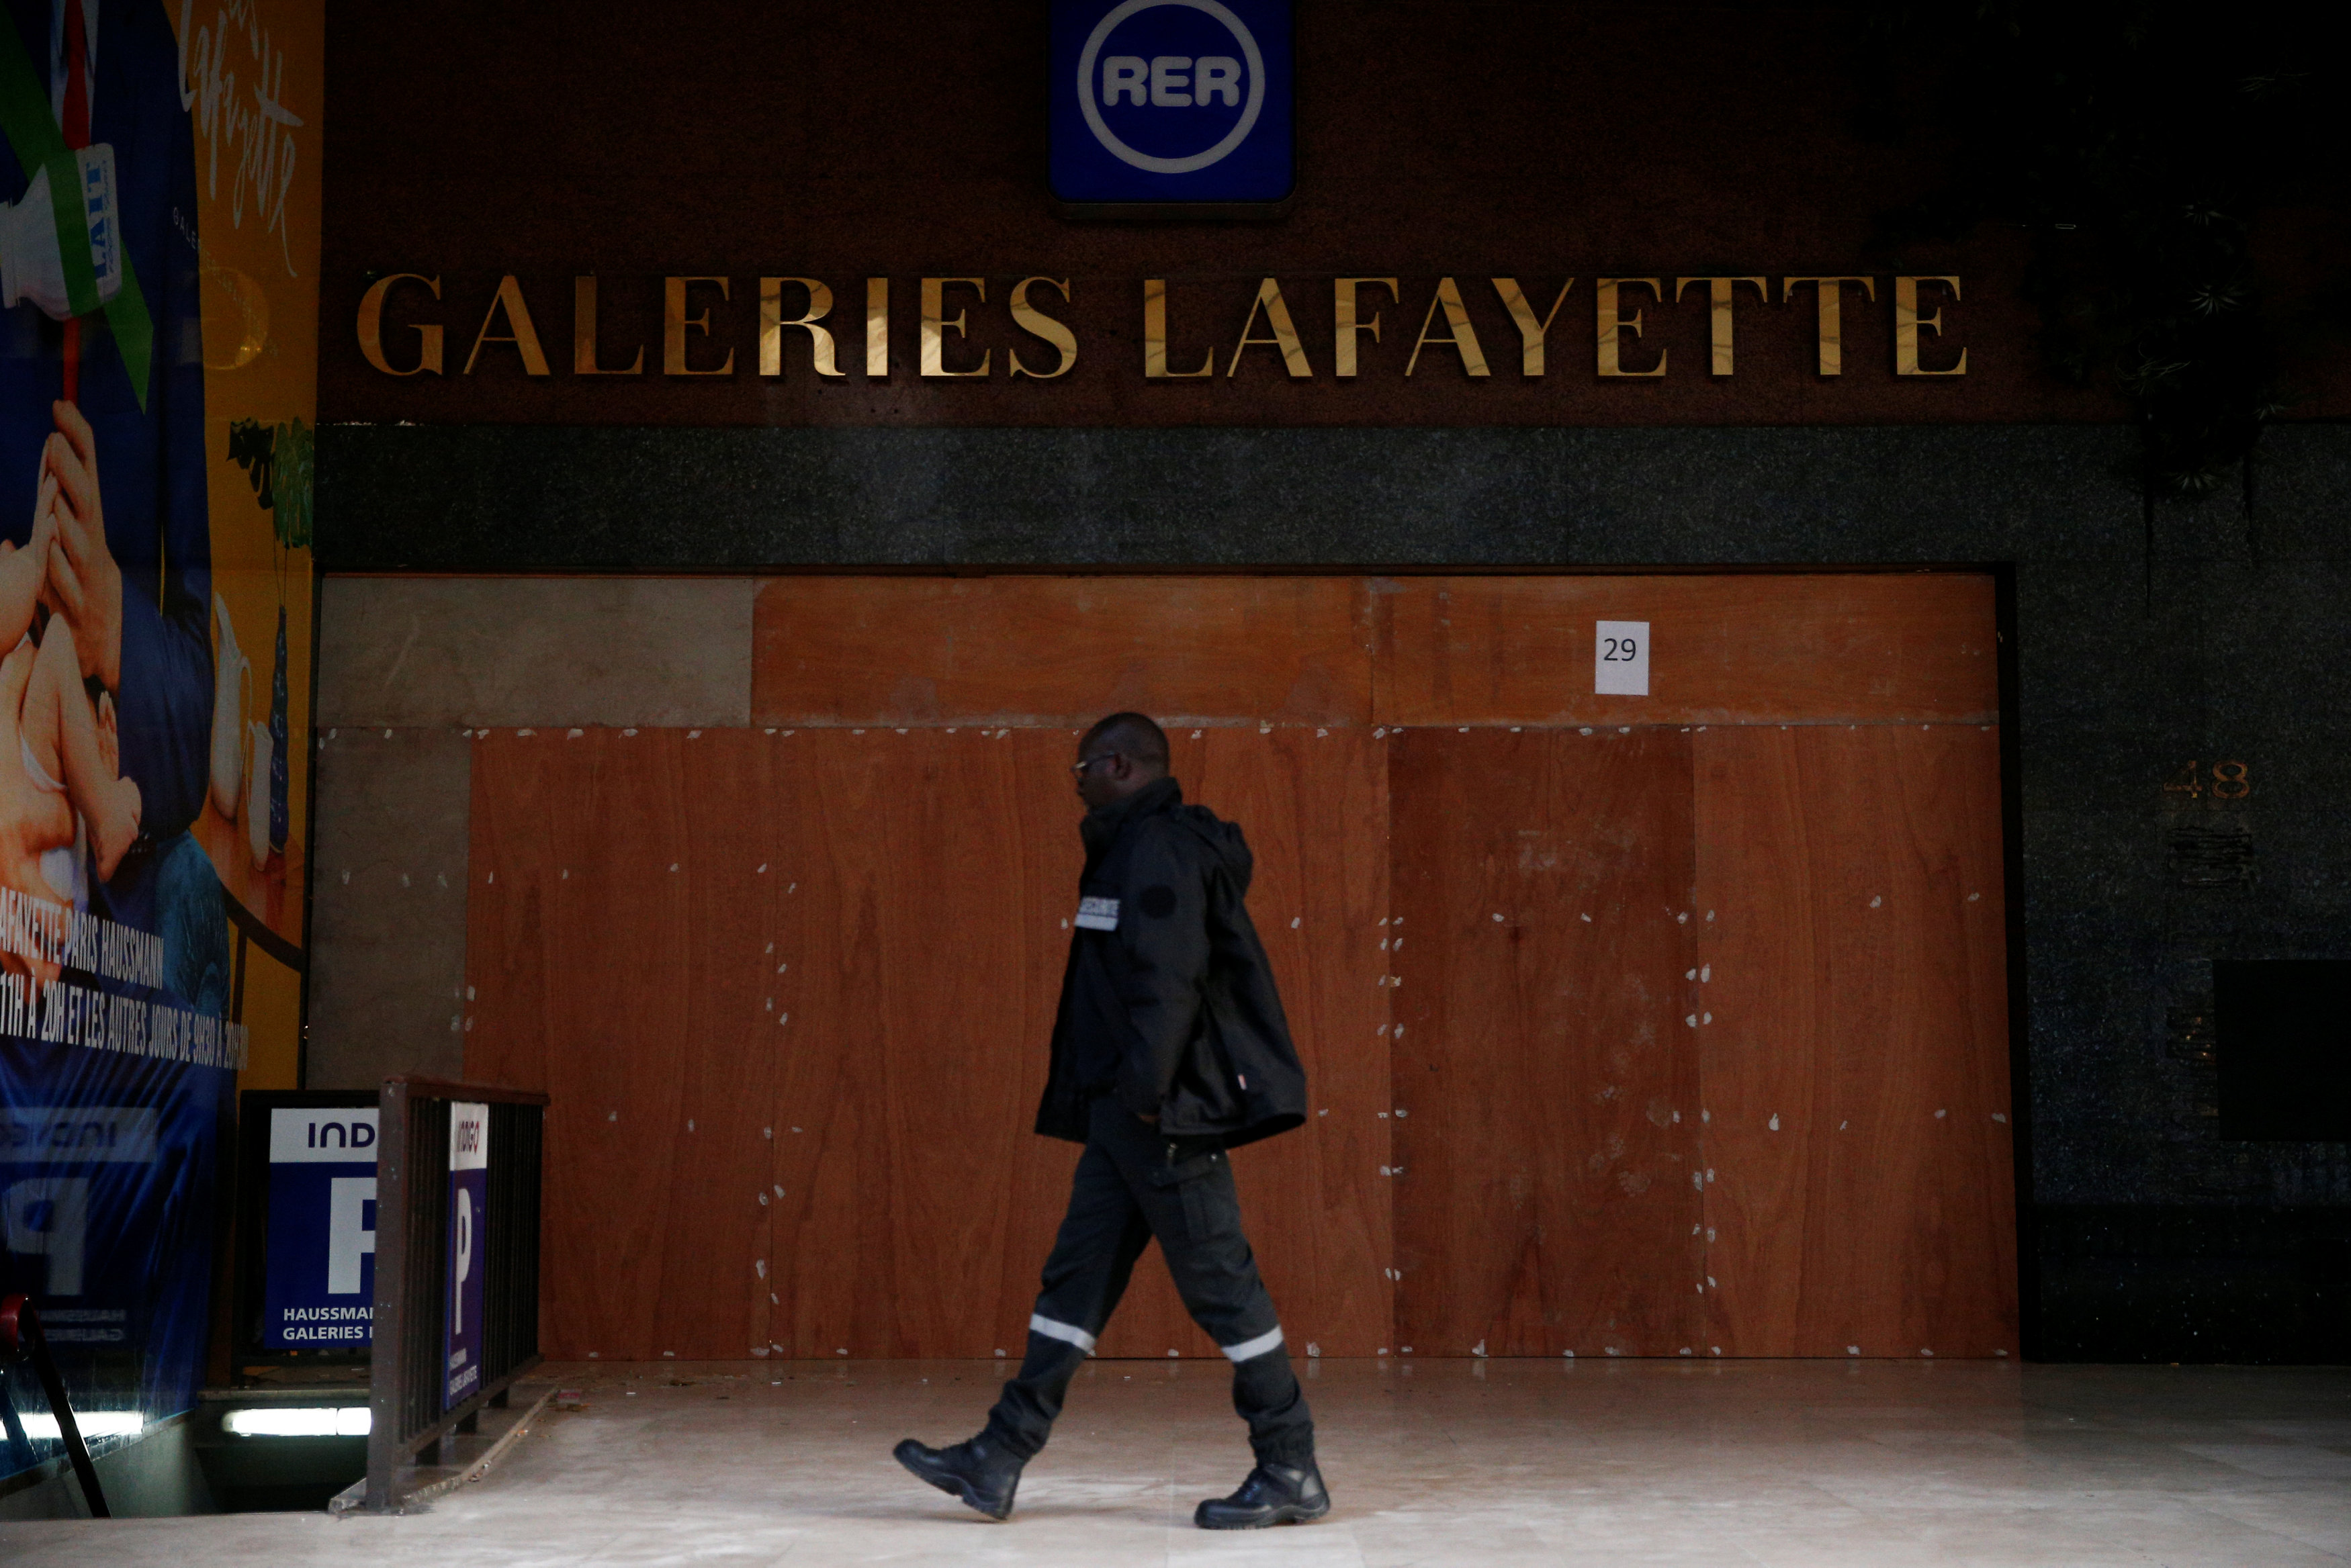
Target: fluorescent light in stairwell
{"x": 299, "y": 1421}
{"x": 95, "y": 1424}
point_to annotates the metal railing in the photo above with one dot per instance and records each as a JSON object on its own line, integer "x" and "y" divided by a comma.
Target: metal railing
{"x": 21, "y": 1340}
{"x": 409, "y": 1369}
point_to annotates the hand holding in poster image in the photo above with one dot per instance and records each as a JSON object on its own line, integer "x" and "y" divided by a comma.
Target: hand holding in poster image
{"x": 67, "y": 747}
{"x": 84, "y": 585}
{"x": 37, "y": 826}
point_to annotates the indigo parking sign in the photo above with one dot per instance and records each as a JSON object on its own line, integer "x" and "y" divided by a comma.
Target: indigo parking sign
{"x": 469, "y": 1192}
{"x": 1172, "y": 100}
{"x": 320, "y": 1292}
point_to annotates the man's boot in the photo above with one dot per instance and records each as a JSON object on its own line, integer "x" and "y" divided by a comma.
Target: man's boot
{"x": 978, "y": 1471}
{"x": 1274, "y": 1495}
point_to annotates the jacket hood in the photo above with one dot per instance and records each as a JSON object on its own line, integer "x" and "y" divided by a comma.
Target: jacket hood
{"x": 1224, "y": 838}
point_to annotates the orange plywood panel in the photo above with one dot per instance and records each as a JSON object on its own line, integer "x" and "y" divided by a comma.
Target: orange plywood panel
{"x": 913, "y": 928}
{"x": 1316, "y": 809}
{"x": 1545, "y": 1196}
{"x": 1727, "y": 649}
{"x": 720, "y": 1193}
{"x": 1029, "y": 651}
{"x": 816, "y": 966}
{"x": 613, "y": 924}
{"x": 817, "y": 969}
{"x": 1856, "y": 1053}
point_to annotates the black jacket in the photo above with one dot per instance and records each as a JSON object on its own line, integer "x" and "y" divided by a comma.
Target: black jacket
{"x": 1164, "y": 962}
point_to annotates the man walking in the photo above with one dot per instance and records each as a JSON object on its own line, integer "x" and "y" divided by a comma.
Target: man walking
{"x": 1169, "y": 1049}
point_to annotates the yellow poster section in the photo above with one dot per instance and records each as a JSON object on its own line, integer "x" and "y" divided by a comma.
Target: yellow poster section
{"x": 254, "y": 75}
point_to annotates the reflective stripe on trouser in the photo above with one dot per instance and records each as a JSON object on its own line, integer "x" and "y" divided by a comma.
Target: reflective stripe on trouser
{"x": 1130, "y": 1189}
{"x": 1068, "y": 1334}
{"x": 1248, "y": 1349}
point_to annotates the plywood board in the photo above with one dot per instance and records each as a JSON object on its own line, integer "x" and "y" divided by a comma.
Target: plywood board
{"x": 1027, "y": 651}
{"x": 1545, "y": 1186}
{"x": 613, "y": 923}
{"x": 792, "y": 986}
{"x": 1313, "y": 802}
{"x": 1855, "y": 1060}
{"x": 1825, "y": 648}
{"x": 914, "y": 929}
{"x": 813, "y": 1136}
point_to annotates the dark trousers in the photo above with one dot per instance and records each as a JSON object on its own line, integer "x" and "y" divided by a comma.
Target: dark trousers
{"x": 1131, "y": 1186}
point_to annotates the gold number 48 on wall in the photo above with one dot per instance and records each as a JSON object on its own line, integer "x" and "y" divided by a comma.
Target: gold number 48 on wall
{"x": 2229, "y": 781}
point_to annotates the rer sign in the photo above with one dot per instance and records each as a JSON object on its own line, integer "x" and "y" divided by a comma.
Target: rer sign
{"x": 318, "y": 1292}
{"x": 469, "y": 1192}
{"x": 1172, "y": 100}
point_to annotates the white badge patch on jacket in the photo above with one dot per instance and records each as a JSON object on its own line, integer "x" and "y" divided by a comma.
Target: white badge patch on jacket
{"x": 1098, "y": 914}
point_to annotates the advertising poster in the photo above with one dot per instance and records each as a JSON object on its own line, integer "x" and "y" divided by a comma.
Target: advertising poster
{"x": 469, "y": 1192}
{"x": 159, "y": 236}
{"x": 318, "y": 1290}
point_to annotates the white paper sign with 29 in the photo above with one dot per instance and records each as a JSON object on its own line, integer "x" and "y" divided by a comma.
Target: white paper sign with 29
{"x": 1620, "y": 659}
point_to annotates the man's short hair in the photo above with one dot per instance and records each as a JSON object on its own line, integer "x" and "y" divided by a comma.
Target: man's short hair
{"x": 1132, "y": 736}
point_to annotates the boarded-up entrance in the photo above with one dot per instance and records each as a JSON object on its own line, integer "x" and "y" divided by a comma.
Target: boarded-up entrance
{"x": 1636, "y": 1025}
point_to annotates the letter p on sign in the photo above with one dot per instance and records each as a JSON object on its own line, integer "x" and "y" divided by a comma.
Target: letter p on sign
{"x": 48, "y": 1217}
{"x": 348, "y": 1235}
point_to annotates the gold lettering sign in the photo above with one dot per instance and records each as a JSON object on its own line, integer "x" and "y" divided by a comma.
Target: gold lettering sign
{"x": 583, "y": 333}
{"x": 1909, "y": 324}
{"x": 1344, "y": 312}
{"x": 1613, "y": 322}
{"x": 1531, "y": 332}
{"x": 372, "y": 327}
{"x": 522, "y": 334}
{"x": 1030, "y": 320}
{"x": 1717, "y": 310}
{"x": 1154, "y": 337}
{"x": 935, "y": 326}
{"x": 674, "y": 321}
{"x": 1268, "y": 324}
{"x": 1285, "y": 336}
{"x": 772, "y": 324}
{"x": 877, "y": 328}
{"x": 1832, "y": 316}
{"x": 1458, "y": 332}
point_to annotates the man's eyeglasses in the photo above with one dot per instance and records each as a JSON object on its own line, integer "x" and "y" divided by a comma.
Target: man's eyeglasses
{"x": 1086, "y": 766}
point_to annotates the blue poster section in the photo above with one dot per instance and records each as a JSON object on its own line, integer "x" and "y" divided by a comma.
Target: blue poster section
{"x": 467, "y": 1294}
{"x": 109, "y": 1176}
{"x": 318, "y": 1288}
{"x": 116, "y": 1068}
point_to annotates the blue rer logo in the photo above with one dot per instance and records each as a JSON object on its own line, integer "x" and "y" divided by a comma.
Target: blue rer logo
{"x": 1172, "y": 100}
{"x": 1202, "y": 83}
